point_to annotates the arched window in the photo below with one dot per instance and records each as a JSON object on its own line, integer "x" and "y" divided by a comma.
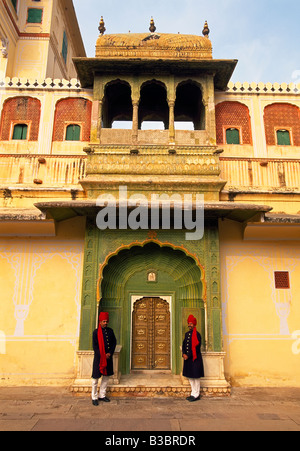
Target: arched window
{"x": 282, "y": 124}
{"x": 153, "y": 106}
{"x": 73, "y": 132}
{"x": 283, "y": 138}
{"x": 20, "y": 131}
{"x": 189, "y": 108}
{"x": 72, "y": 111}
{"x": 117, "y": 106}
{"x": 233, "y": 115}
{"x": 232, "y": 136}
{"x": 20, "y": 119}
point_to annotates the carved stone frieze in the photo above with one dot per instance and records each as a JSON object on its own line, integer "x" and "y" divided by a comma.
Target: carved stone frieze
{"x": 153, "y": 164}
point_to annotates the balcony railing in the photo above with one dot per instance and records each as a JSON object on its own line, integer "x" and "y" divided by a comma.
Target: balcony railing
{"x": 243, "y": 174}
{"x": 255, "y": 174}
{"x": 39, "y": 170}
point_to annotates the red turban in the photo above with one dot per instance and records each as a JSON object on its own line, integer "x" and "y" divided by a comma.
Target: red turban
{"x": 104, "y": 316}
{"x": 103, "y": 361}
{"x": 192, "y": 319}
{"x": 195, "y": 341}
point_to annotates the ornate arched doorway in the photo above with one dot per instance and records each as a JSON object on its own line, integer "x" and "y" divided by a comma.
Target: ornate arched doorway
{"x": 152, "y": 271}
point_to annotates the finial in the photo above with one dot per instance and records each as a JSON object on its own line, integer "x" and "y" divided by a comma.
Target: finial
{"x": 206, "y": 30}
{"x": 152, "y": 28}
{"x": 102, "y": 28}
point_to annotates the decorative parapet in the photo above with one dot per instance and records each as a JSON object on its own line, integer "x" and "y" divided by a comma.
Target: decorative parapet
{"x": 152, "y": 149}
{"x": 263, "y": 88}
{"x": 153, "y": 164}
{"x": 153, "y": 170}
{"x": 48, "y": 83}
{"x": 74, "y": 84}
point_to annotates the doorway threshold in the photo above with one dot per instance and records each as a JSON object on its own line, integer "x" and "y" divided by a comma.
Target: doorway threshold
{"x": 149, "y": 385}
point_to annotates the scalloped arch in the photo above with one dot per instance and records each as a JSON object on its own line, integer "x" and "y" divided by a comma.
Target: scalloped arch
{"x": 183, "y": 267}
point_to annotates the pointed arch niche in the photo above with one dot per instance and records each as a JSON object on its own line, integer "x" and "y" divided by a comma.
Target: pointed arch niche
{"x": 179, "y": 277}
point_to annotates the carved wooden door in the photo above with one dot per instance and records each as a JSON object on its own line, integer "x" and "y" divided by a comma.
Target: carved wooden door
{"x": 151, "y": 335}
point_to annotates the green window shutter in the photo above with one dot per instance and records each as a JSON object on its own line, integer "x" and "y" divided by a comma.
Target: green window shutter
{"x": 283, "y": 138}
{"x": 232, "y": 136}
{"x": 73, "y": 133}
{"x": 34, "y": 15}
{"x": 14, "y": 2}
{"x": 64, "y": 50}
{"x": 20, "y": 132}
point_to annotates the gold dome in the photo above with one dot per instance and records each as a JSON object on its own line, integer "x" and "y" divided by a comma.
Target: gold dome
{"x": 153, "y": 46}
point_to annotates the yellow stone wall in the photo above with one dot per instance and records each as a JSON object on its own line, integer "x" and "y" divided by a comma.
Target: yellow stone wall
{"x": 40, "y": 306}
{"x": 260, "y": 323}
{"x": 34, "y": 50}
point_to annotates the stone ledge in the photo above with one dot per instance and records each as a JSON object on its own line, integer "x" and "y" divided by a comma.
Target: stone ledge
{"x": 151, "y": 392}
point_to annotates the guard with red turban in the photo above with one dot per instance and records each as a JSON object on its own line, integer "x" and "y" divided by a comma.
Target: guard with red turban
{"x": 193, "y": 367}
{"x": 104, "y": 345}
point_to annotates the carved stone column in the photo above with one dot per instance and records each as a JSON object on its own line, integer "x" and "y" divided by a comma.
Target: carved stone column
{"x": 210, "y": 115}
{"x": 171, "y": 121}
{"x": 99, "y": 126}
{"x": 135, "y": 121}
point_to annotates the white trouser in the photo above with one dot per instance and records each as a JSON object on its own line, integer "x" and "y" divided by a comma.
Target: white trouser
{"x": 195, "y": 385}
{"x": 103, "y": 387}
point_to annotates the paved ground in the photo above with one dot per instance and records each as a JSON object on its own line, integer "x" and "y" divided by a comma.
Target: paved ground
{"x": 56, "y": 409}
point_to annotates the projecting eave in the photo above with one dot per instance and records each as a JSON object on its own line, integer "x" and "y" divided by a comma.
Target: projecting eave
{"x": 281, "y": 218}
{"x": 21, "y": 214}
{"x": 275, "y": 227}
{"x": 24, "y": 222}
{"x": 88, "y": 68}
{"x": 60, "y": 211}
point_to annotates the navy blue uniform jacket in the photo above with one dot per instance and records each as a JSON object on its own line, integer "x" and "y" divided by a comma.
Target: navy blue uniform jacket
{"x": 110, "y": 343}
{"x": 192, "y": 370}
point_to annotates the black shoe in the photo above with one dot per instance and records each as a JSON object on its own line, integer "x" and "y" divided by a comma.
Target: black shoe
{"x": 95, "y": 402}
{"x": 193, "y": 399}
{"x": 105, "y": 399}
{"x": 189, "y": 398}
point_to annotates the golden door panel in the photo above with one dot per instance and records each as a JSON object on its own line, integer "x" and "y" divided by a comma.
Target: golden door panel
{"x": 151, "y": 335}
{"x": 139, "y": 362}
{"x": 162, "y": 362}
{"x": 161, "y": 348}
{"x": 140, "y": 347}
{"x": 141, "y": 333}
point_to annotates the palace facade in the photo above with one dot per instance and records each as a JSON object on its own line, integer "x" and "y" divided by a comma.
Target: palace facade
{"x": 157, "y": 115}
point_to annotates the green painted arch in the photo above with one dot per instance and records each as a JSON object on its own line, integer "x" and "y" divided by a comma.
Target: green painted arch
{"x": 125, "y": 275}
{"x": 181, "y": 268}
{"x": 147, "y": 249}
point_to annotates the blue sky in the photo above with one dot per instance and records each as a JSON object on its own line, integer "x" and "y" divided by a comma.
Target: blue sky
{"x": 264, "y": 35}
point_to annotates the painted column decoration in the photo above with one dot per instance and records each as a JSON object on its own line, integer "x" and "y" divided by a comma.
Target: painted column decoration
{"x": 26, "y": 262}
